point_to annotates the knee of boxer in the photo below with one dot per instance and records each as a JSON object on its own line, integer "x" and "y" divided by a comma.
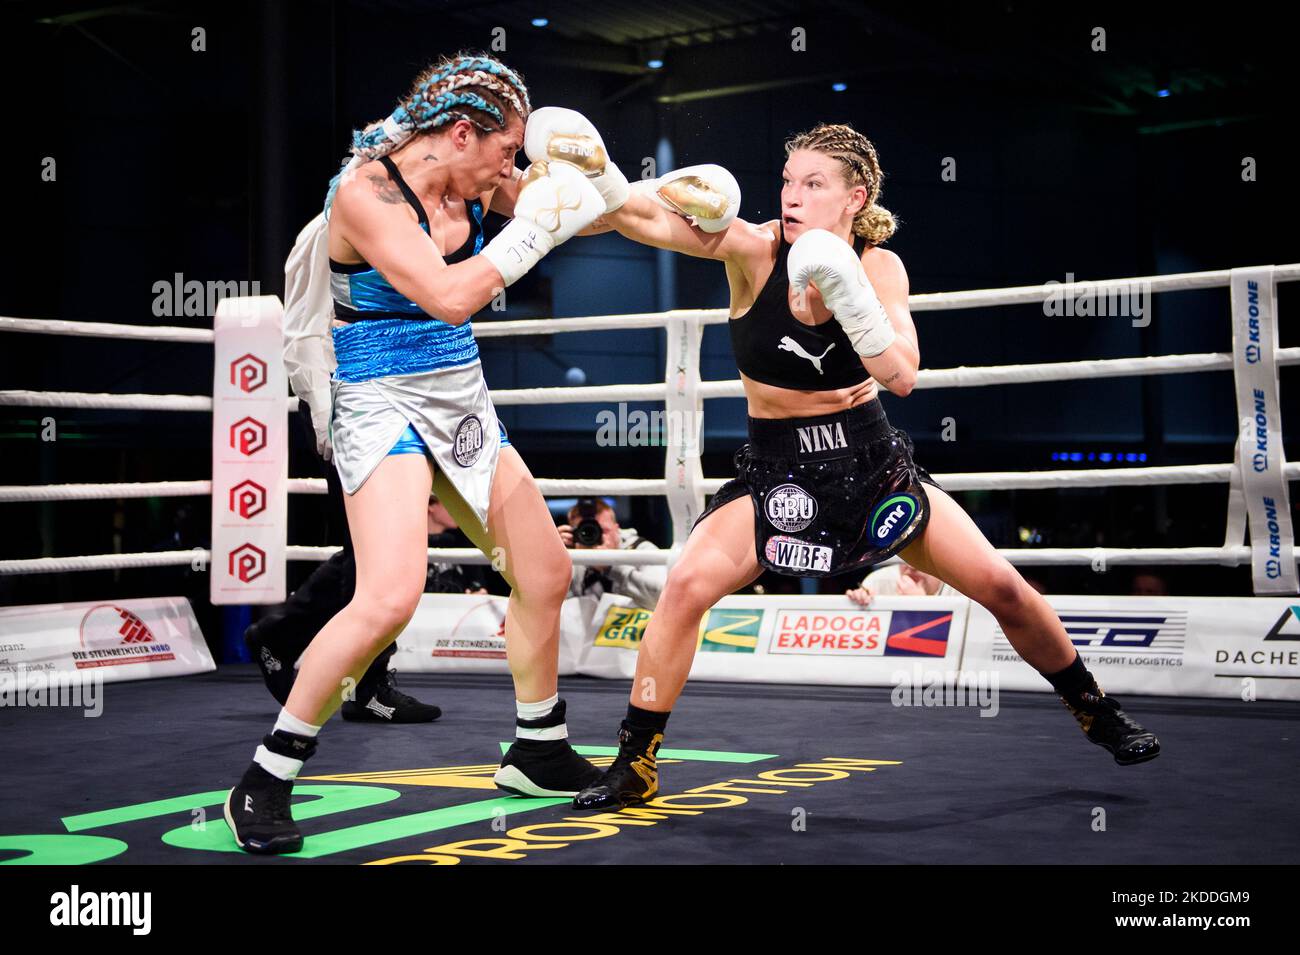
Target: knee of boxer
{"x": 543, "y": 582}
{"x": 688, "y": 592}
{"x": 1003, "y": 591}
{"x": 382, "y": 615}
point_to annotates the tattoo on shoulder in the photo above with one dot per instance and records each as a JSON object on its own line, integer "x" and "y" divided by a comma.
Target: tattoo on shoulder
{"x": 386, "y": 190}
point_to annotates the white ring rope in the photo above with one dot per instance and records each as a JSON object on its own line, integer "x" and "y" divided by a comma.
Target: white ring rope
{"x": 1034, "y": 294}
{"x": 920, "y": 302}
{"x": 961, "y": 377}
{"x": 199, "y": 558}
{"x": 636, "y": 487}
{"x": 82, "y": 399}
{"x": 1096, "y": 557}
{"x": 153, "y": 333}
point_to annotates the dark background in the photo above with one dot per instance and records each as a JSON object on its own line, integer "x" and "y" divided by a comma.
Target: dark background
{"x": 1068, "y": 161}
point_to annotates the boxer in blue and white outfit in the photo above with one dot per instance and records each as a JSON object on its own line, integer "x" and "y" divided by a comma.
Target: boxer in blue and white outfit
{"x": 409, "y": 410}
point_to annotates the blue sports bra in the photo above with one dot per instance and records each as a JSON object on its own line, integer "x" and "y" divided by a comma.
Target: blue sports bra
{"x": 360, "y": 292}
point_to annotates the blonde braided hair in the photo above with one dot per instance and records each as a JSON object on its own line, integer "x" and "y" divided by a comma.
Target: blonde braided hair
{"x": 860, "y": 166}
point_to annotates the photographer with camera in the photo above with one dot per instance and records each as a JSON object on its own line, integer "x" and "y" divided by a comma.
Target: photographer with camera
{"x": 592, "y": 525}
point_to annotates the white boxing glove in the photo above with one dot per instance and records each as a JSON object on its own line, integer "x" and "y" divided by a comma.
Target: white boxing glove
{"x": 824, "y": 258}
{"x": 555, "y": 201}
{"x": 555, "y": 134}
{"x": 708, "y": 197}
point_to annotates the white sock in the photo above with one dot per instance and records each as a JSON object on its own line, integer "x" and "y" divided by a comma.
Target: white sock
{"x": 535, "y": 711}
{"x": 291, "y": 724}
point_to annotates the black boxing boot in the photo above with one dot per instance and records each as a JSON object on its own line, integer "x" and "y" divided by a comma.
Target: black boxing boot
{"x": 541, "y": 762}
{"x": 257, "y": 809}
{"x": 378, "y": 700}
{"x": 1101, "y": 718}
{"x": 633, "y": 777}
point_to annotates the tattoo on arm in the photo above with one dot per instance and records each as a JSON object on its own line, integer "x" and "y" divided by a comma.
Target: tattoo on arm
{"x": 894, "y": 377}
{"x": 386, "y": 190}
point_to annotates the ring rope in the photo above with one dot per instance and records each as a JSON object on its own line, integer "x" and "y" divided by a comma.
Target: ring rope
{"x": 1096, "y": 557}
{"x": 630, "y": 487}
{"x": 961, "y": 377}
{"x": 932, "y": 378}
{"x": 920, "y": 302}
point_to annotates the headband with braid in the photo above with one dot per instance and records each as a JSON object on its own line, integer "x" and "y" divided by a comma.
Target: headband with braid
{"x": 438, "y": 100}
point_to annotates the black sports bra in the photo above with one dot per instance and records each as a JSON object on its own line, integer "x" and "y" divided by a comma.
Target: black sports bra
{"x": 775, "y": 348}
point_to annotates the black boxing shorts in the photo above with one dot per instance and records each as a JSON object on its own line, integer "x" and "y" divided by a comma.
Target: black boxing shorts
{"x": 831, "y": 494}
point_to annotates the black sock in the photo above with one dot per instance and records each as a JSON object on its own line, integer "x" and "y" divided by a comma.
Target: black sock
{"x": 639, "y": 719}
{"x": 1074, "y": 681}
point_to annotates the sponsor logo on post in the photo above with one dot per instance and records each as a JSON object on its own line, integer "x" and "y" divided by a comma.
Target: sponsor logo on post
{"x": 248, "y": 436}
{"x": 248, "y": 499}
{"x": 248, "y": 373}
{"x": 247, "y": 562}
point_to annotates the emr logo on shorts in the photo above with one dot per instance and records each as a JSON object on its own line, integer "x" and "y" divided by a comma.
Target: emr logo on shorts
{"x": 790, "y": 508}
{"x": 892, "y": 517}
{"x": 468, "y": 442}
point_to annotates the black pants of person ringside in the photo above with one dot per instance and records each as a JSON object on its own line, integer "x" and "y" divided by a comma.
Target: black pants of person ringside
{"x": 832, "y": 494}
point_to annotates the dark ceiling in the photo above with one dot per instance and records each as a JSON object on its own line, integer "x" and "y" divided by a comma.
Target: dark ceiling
{"x": 1215, "y": 70}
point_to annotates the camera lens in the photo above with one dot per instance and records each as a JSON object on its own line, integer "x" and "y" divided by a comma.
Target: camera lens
{"x": 588, "y": 533}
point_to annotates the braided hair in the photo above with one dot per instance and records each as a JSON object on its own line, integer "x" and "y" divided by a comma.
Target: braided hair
{"x": 469, "y": 86}
{"x": 861, "y": 167}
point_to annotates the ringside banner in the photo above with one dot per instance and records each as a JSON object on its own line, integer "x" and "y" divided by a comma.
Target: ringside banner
{"x": 793, "y": 639}
{"x": 1244, "y": 647}
{"x": 467, "y": 633}
{"x": 106, "y": 640}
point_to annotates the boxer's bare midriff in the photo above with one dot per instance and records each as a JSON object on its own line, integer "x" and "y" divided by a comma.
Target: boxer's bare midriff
{"x": 769, "y": 401}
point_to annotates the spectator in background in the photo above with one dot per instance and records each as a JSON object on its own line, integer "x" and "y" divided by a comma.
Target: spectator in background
{"x": 592, "y": 525}
{"x": 901, "y": 580}
{"x": 1148, "y": 584}
{"x": 445, "y": 578}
